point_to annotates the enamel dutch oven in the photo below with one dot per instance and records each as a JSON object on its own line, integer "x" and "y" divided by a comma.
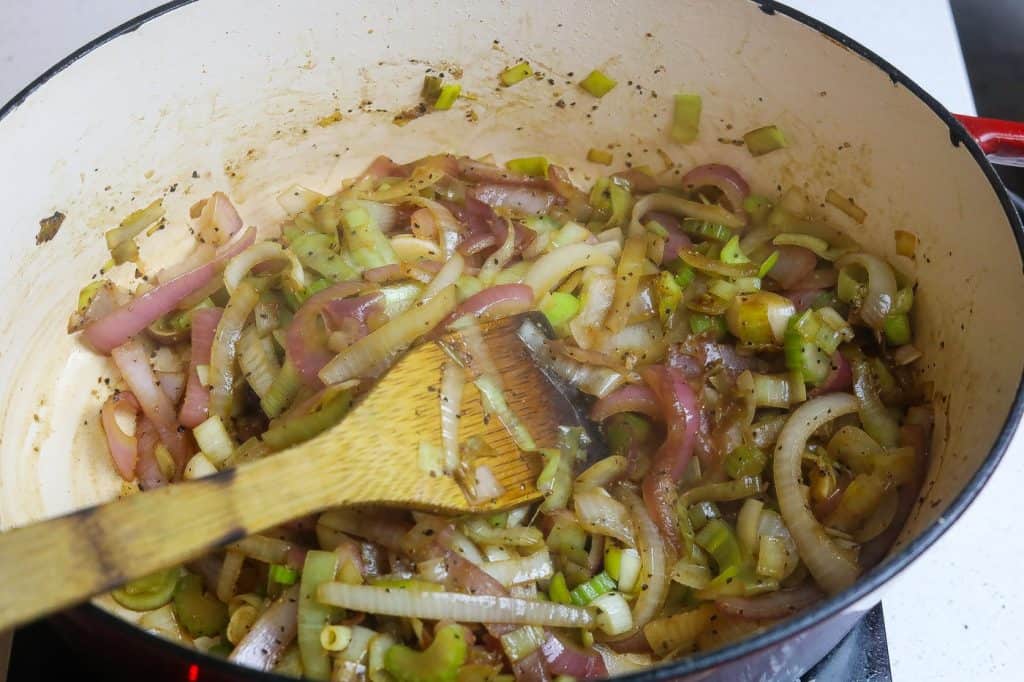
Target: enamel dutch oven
{"x": 200, "y": 96}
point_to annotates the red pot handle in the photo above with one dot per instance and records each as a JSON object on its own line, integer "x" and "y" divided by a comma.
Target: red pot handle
{"x": 1002, "y": 141}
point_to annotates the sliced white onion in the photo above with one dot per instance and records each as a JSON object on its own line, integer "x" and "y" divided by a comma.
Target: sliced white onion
{"x": 515, "y": 571}
{"x": 257, "y": 359}
{"x": 653, "y": 559}
{"x": 410, "y": 249}
{"x": 881, "y": 286}
{"x": 596, "y": 381}
{"x": 595, "y": 301}
{"x": 497, "y": 260}
{"x": 669, "y": 203}
{"x": 832, "y": 568}
{"x": 371, "y": 355}
{"x": 479, "y": 608}
{"x": 453, "y": 381}
{"x": 262, "y": 252}
{"x": 551, "y": 268}
{"x": 598, "y": 512}
{"x": 448, "y": 275}
{"x": 614, "y": 617}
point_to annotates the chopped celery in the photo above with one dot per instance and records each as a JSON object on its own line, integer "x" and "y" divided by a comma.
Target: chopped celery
{"x": 366, "y": 243}
{"x": 685, "y": 118}
{"x": 846, "y": 205}
{"x": 700, "y": 323}
{"x": 669, "y": 295}
{"x": 903, "y": 301}
{"x": 718, "y": 540}
{"x": 320, "y": 567}
{"x": 625, "y": 431}
{"x": 558, "y": 590}
{"x": 600, "y": 156}
{"x": 555, "y": 479}
{"x": 897, "y": 329}
{"x": 199, "y": 612}
{"x": 623, "y": 565}
{"x": 587, "y": 592}
{"x": 706, "y": 230}
{"x": 732, "y": 253}
{"x": 803, "y": 355}
{"x": 534, "y": 166}
{"x": 446, "y": 98}
{"x": 757, "y": 207}
{"x": 699, "y": 514}
{"x": 597, "y": 83}
{"x": 440, "y": 662}
{"x": 318, "y": 251}
{"x": 722, "y": 289}
{"x": 814, "y": 244}
{"x": 684, "y": 275}
{"x": 763, "y": 140}
{"x": 149, "y": 592}
{"x": 515, "y": 74}
{"x": 282, "y": 391}
{"x": 745, "y": 460}
{"x": 559, "y": 307}
{"x": 849, "y": 288}
{"x": 296, "y": 429}
{"x": 283, "y": 574}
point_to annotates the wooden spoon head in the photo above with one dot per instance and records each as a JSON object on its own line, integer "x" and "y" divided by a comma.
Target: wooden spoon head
{"x": 406, "y": 408}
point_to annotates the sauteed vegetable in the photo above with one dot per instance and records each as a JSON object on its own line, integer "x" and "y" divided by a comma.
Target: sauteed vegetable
{"x": 749, "y": 366}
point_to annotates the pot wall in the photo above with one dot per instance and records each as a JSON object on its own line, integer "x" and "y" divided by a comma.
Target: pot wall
{"x": 232, "y": 92}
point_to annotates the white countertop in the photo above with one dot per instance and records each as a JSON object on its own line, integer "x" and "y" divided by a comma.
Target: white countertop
{"x": 953, "y": 615}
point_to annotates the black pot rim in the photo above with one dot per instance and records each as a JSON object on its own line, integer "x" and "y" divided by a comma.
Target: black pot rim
{"x": 869, "y": 582}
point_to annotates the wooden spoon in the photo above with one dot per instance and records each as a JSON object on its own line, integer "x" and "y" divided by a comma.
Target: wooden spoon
{"x": 371, "y": 457}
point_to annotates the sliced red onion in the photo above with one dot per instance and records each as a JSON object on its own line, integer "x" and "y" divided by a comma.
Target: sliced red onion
{"x": 639, "y": 182}
{"x": 148, "y": 469}
{"x": 565, "y": 658}
{"x": 115, "y": 329}
{"x": 795, "y": 263}
{"x": 496, "y": 302}
{"x": 630, "y": 398}
{"x": 384, "y": 167}
{"x": 726, "y": 178}
{"x": 271, "y": 634}
{"x": 676, "y": 240}
{"x": 478, "y": 171}
{"x": 779, "y": 604}
{"x": 803, "y": 299}
{"x": 681, "y": 415}
{"x": 701, "y": 353}
{"x": 477, "y": 243}
{"x": 376, "y": 525}
{"x": 528, "y": 200}
{"x": 196, "y": 407}
{"x": 357, "y": 308}
{"x": 532, "y": 668}
{"x": 305, "y": 341}
{"x": 839, "y": 378}
{"x": 822, "y": 278}
{"x": 133, "y": 362}
{"x": 124, "y": 449}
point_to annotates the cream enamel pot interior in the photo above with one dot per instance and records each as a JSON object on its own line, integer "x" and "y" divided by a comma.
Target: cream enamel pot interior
{"x": 226, "y": 95}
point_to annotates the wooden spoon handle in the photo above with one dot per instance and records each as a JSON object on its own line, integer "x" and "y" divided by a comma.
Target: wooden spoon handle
{"x": 53, "y": 564}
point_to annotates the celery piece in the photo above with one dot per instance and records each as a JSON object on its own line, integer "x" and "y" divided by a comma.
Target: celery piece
{"x": 744, "y": 461}
{"x": 367, "y": 244}
{"x": 757, "y": 207}
{"x": 558, "y": 591}
{"x": 149, "y": 592}
{"x": 440, "y": 662}
{"x": 598, "y": 84}
{"x": 534, "y": 166}
{"x": 846, "y": 205}
{"x": 684, "y": 274}
{"x": 732, "y": 253}
{"x": 802, "y": 355}
{"x": 701, "y": 513}
{"x": 897, "y": 329}
{"x": 293, "y": 430}
{"x": 903, "y": 301}
{"x": 763, "y": 140}
{"x": 685, "y": 118}
{"x": 320, "y": 567}
{"x": 587, "y": 592}
{"x": 449, "y": 93}
{"x": 283, "y": 574}
{"x": 717, "y": 539}
{"x": 559, "y": 308}
{"x": 515, "y": 74}
{"x": 768, "y": 264}
{"x": 700, "y": 323}
{"x": 706, "y": 230}
{"x": 318, "y": 251}
{"x": 199, "y": 612}
{"x": 669, "y": 295}
{"x": 600, "y": 156}
{"x": 613, "y": 561}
